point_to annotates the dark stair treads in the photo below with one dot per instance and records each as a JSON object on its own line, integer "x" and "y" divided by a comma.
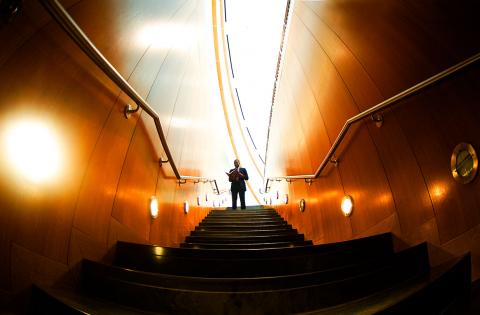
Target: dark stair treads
{"x": 156, "y": 258}
{"x": 242, "y": 216}
{"x": 232, "y": 228}
{"x": 242, "y": 213}
{"x": 254, "y": 222}
{"x": 47, "y": 301}
{"x": 286, "y": 299}
{"x": 241, "y": 224}
{"x": 242, "y": 239}
{"x": 245, "y": 245}
{"x": 412, "y": 260}
{"x": 444, "y": 290}
{"x": 212, "y": 232}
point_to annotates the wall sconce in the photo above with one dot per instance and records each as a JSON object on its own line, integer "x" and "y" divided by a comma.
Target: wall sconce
{"x": 33, "y": 150}
{"x": 153, "y": 207}
{"x": 347, "y": 205}
{"x": 186, "y": 207}
{"x": 285, "y": 199}
{"x": 206, "y": 197}
{"x": 302, "y": 205}
{"x": 278, "y": 195}
{"x": 198, "y": 200}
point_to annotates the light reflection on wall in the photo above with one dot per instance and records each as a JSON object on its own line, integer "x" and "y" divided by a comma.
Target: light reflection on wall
{"x": 33, "y": 150}
{"x": 166, "y": 36}
{"x": 438, "y": 191}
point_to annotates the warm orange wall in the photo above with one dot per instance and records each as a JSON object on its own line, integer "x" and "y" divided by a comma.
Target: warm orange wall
{"x": 343, "y": 57}
{"x": 111, "y": 163}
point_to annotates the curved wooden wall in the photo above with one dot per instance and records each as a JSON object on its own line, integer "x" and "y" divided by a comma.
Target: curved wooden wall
{"x": 112, "y": 163}
{"x": 343, "y": 57}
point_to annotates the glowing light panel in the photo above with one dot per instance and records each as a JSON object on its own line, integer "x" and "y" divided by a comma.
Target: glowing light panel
{"x": 33, "y": 150}
{"x": 347, "y": 205}
{"x": 153, "y": 207}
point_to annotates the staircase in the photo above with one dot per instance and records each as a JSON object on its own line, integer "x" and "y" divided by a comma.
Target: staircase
{"x": 247, "y": 229}
{"x": 253, "y": 262}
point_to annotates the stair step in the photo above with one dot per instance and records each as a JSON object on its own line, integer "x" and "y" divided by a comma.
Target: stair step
{"x": 244, "y": 239}
{"x": 224, "y": 233}
{"x": 241, "y": 213}
{"x": 229, "y": 262}
{"x": 246, "y": 245}
{"x": 46, "y": 301}
{"x": 217, "y": 227}
{"x": 246, "y": 222}
{"x": 243, "y": 224}
{"x": 414, "y": 258}
{"x": 441, "y": 287}
{"x": 292, "y": 297}
{"x": 232, "y": 259}
{"x": 243, "y": 216}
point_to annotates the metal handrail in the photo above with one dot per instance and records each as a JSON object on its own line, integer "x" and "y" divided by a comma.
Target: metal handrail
{"x": 59, "y": 14}
{"x": 388, "y": 102}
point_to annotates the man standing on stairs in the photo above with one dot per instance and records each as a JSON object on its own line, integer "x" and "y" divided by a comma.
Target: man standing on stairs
{"x": 237, "y": 176}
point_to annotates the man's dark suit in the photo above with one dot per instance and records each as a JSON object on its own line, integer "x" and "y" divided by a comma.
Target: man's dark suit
{"x": 238, "y": 187}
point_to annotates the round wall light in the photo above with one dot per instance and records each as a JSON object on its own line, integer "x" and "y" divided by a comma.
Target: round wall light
{"x": 302, "y": 205}
{"x": 153, "y": 207}
{"x": 347, "y": 205}
{"x": 186, "y": 207}
{"x": 464, "y": 163}
{"x": 33, "y": 150}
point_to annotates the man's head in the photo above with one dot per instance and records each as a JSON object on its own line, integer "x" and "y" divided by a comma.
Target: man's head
{"x": 236, "y": 162}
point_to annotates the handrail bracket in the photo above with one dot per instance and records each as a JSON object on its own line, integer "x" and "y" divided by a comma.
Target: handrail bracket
{"x": 377, "y": 118}
{"x": 128, "y": 110}
{"x": 334, "y": 160}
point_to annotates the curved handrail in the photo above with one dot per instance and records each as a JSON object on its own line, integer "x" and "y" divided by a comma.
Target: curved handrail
{"x": 388, "y": 102}
{"x": 59, "y": 14}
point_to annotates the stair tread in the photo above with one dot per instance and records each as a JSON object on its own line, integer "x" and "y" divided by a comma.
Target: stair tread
{"x": 77, "y": 303}
{"x": 402, "y": 259}
{"x": 381, "y": 243}
{"x": 381, "y": 301}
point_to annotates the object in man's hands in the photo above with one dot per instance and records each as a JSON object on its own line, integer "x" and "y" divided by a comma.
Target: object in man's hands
{"x": 233, "y": 176}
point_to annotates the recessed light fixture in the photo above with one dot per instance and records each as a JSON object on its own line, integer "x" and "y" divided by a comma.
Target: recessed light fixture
{"x": 347, "y": 205}
{"x": 153, "y": 207}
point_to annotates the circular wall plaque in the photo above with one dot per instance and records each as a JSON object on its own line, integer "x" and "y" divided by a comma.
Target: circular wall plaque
{"x": 464, "y": 163}
{"x": 302, "y": 205}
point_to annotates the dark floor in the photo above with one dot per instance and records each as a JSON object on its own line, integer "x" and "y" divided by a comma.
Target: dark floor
{"x": 475, "y": 302}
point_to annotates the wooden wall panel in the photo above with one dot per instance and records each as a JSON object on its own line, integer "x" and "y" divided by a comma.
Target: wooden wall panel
{"x": 112, "y": 164}
{"x": 94, "y": 205}
{"x": 353, "y": 55}
{"x": 136, "y": 184}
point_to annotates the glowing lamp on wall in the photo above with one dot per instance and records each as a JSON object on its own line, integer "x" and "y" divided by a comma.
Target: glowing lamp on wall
{"x": 153, "y": 207}
{"x": 285, "y": 199}
{"x": 186, "y": 207}
{"x": 347, "y": 205}
{"x": 33, "y": 150}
